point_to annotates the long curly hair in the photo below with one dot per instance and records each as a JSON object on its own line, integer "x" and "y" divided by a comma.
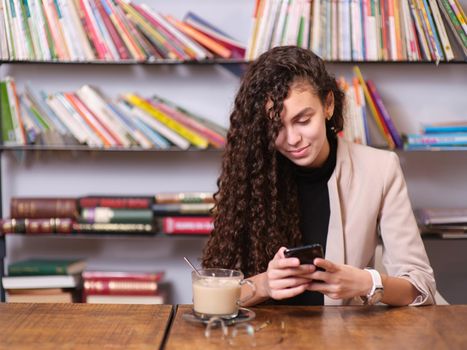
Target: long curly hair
{"x": 256, "y": 210}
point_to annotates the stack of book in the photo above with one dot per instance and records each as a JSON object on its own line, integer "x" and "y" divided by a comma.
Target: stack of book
{"x": 110, "y": 30}
{"x": 116, "y": 214}
{"x": 184, "y": 213}
{"x": 443, "y": 222}
{"x": 363, "y": 100}
{"x": 44, "y": 280}
{"x": 88, "y": 117}
{"x": 439, "y": 136}
{"x": 117, "y": 287}
{"x": 41, "y": 215}
{"x": 360, "y": 30}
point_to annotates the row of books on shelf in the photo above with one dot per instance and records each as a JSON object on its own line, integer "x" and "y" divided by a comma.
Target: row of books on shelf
{"x": 36, "y": 280}
{"x": 361, "y": 30}
{"x": 439, "y": 136}
{"x": 88, "y": 117}
{"x": 443, "y": 222}
{"x": 169, "y": 213}
{"x": 109, "y": 30}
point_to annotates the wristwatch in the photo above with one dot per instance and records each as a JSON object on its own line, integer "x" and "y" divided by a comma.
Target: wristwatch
{"x": 377, "y": 290}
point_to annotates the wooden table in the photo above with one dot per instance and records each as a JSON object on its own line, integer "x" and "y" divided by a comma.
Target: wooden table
{"x": 83, "y": 326}
{"x": 349, "y": 327}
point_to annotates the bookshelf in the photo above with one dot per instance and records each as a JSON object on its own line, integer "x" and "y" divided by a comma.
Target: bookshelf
{"x": 206, "y": 88}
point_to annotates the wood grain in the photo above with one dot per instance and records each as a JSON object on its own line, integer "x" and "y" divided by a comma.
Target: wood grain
{"x": 348, "y": 327}
{"x": 82, "y": 326}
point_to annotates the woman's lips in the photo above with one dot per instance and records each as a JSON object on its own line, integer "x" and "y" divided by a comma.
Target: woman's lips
{"x": 299, "y": 152}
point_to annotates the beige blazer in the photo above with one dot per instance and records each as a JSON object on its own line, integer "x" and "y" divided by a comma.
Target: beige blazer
{"x": 367, "y": 194}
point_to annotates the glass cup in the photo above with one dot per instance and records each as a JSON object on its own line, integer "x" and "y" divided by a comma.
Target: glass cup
{"x": 216, "y": 292}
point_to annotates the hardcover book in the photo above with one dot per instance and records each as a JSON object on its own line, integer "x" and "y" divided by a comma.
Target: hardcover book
{"x": 38, "y": 266}
{"x": 23, "y": 208}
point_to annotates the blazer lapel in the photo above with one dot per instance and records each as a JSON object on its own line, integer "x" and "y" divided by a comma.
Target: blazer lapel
{"x": 335, "y": 246}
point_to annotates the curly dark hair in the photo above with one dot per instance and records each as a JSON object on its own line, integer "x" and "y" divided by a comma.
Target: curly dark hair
{"x": 256, "y": 210}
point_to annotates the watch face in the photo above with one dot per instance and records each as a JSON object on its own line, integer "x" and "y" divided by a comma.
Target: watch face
{"x": 377, "y": 296}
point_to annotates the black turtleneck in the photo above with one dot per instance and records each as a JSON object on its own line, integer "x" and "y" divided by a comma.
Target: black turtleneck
{"x": 313, "y": 197}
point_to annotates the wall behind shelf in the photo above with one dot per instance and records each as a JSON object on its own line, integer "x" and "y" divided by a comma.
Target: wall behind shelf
{"x": 412, "y": 93}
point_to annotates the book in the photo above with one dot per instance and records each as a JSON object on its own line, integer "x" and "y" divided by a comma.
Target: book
{"x": 236, "y": 47}
{"x": 124, "y": 299}
{"x": 43, "y": 207}
{"x": 184, "y": 197}
{"x": 46, "y": 295}
{"x": 182, "y": 209}
{"x": 187, "y": 225}
{"x": 32, "y": 282}
{"x": 40, "y": 266}
{"x": 105, "y": 228}
{"x": 37, "y": 226}
{"x": 113, "y": 215}
{"x": 437, "y": 139}
{"x": 434, "y": 216}
{"x": 122, "y": 202}
{"x": 123, "y": 275}
{"x": 445, "y": 127}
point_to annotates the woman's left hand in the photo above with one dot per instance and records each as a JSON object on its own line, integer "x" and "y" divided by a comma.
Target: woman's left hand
{"x": 339, "y": 281}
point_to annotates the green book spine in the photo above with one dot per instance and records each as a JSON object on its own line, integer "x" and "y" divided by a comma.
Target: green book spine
{"x": 109, "y": 215}
{"x": 8, "y": 132}
{"x": 39, "y": 267}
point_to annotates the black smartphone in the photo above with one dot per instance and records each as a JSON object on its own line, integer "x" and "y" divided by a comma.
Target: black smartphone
{"x": 306, "y": 254}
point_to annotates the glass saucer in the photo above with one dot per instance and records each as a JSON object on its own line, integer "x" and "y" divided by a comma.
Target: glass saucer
{"x": 244, "y": 315}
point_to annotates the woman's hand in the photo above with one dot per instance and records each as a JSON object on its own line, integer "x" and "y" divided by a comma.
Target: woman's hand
{"x": 339, "y": 281}
{"x": 285, "y": 277}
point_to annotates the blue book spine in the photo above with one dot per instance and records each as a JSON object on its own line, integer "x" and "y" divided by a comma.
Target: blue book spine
{"x": 439, "y": 139}
{"x": 433, "y": 129}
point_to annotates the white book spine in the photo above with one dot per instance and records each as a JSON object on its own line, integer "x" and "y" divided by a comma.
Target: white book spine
{"x": 97, "y": 106}
{"x": 66, "y": 119}
{"x": 316, "y": 28}
{"x": 356, "y": 33}
{"x": 306, "y": 24}
{"x": 258, "y": 49}
{"x": 279, "y": 28}
{"x": 41, "y": 29}
{"x": 69, "y": 30}
{"x": 270, "y": 25}
{"x": 92, "y": 138}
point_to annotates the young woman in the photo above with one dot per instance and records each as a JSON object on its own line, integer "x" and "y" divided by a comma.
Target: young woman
{"x": 288, "y": 180}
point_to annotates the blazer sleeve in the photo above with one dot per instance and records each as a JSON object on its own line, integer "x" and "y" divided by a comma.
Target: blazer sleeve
{"x": 404, "y": 254}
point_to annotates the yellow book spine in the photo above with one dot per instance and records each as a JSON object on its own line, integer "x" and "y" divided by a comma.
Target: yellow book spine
{"x": 372, "y": 106}
{"x": 180, "y": 129}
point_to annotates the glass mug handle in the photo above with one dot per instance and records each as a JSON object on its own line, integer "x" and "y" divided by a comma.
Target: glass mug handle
{"x": 249, "y": 296}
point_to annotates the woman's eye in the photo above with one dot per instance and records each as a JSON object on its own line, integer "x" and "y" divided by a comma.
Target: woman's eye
{"x": 303, "y": 121}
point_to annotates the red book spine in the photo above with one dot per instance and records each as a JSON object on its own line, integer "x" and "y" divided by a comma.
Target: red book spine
{"x": 100, "y": 48}
{"x": 33, "y": 208}
{"x": 187, "y": 225}
{"x": 123, "y": 276}
{"x": 109, "y": 202}
{"x": 119, "y": 287}
{"x": 120, "y": 45}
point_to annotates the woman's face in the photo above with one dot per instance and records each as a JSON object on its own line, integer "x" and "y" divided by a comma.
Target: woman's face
{"x": 302, "y": 138}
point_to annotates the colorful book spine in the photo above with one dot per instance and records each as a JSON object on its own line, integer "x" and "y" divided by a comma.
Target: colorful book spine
{"x": 384, "y": 114}
{"x": 382, "y": 127}
{"x": 119, "y": 228}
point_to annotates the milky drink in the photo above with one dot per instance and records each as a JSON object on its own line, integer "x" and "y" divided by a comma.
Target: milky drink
{"x": 216, "y": 296}
{"x": 216, "y": 292}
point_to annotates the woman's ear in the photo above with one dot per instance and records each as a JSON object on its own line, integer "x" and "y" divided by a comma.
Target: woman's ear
{"x": 329, "y": 105}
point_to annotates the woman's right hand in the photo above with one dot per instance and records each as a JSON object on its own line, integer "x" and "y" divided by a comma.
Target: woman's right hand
{"x": 285, "y": 277}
